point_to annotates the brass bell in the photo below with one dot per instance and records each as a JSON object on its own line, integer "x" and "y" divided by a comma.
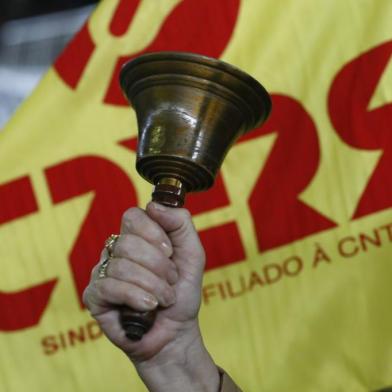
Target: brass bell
{"x": 190, "y": 110}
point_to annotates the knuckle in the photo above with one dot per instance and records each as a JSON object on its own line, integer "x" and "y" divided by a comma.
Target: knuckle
{"x": 185, "y": 222}
{"x": 119, "y": 247}
{"x": 185, "y": 214}
{"x": 126, "y": 244}
{"x": 101, "y": 288}
{"x": 118, "y": 267}
{"x": 131, "y": 215}
{"x": 94, "y": 271}
{"x": 85, "y": 297}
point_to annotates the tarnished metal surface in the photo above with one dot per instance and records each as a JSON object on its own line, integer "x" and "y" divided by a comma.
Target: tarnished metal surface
{"x": 190, "y": 110}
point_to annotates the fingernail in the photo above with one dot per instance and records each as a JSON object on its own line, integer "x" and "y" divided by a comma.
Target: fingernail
{"x": 167, "y": 249}
{"x": 159, "y": 207}
{"x": 172, "y": 276}
{"x": 150, "y": 302}
{"x": 169, "y": 297}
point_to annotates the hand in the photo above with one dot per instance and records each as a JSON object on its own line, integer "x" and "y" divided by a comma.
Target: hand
{"x": 158, "y": 259}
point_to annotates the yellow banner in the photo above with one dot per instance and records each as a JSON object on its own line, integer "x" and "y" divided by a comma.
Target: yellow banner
{"x": 297, "y": 229}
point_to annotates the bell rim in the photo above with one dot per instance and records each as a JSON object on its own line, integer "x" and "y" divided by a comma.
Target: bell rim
{"x": 217, "y": 64}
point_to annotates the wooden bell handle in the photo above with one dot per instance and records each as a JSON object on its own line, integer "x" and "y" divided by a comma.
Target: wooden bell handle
{"x": 171, "y": 193}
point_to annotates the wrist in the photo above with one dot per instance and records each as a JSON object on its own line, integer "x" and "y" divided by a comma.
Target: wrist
{"x": 183, "y": 364}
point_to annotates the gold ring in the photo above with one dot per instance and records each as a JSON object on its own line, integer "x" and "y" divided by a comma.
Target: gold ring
{"x": 103, "y": 267}
{"x": 110, "y": 242}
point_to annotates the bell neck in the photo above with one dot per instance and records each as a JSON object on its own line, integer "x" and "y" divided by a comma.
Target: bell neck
{"x": 170, "y": 192}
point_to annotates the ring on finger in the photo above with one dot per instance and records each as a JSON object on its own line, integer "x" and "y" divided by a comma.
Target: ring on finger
{"x": 102, "y": 270}
{"x": 110, "y": 243}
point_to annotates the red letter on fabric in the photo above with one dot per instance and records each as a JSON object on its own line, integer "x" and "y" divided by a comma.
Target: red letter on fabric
{"x": 360, "y": 127}
{"x": 279, "y": 216}
{"x": 24, "y": 308}
{"x": 114, "y": 193}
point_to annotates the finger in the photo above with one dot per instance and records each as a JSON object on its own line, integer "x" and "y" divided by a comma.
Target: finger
{"x": 95, "y": 270}
{"x": 127, "y": 271}
{"x": 177, "y": 222}
{"x": 135, "y": 221}
{"x": 102, "y": 294}
{"x": 140, "y": 251}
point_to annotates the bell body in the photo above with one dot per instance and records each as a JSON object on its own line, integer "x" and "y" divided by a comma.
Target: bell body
{"x": 188, "y": 142}
{"x": 190, "y": 109}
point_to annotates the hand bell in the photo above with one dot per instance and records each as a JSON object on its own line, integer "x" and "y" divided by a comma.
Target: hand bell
{"x": 190, "y": 110}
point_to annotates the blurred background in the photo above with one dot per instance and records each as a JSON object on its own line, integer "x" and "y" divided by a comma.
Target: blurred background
{"x": 314, "y": 180}
{"x": 32, "y": 34}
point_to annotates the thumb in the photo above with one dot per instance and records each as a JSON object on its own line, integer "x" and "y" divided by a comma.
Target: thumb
{"x": 177, "y": 223}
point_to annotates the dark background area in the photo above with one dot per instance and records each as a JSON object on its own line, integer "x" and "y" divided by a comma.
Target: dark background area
{"x": 32, "y": 35}
{"x": 16, "y": 9}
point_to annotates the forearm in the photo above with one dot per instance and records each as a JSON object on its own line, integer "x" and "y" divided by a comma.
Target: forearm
{"x": 184, "y": 364}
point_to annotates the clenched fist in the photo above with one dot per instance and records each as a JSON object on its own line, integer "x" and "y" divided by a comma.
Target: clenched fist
{"x": 158, "y": 260}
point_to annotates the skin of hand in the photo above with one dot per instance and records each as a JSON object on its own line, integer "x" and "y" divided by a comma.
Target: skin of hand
{"x": 158, "y": 260}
